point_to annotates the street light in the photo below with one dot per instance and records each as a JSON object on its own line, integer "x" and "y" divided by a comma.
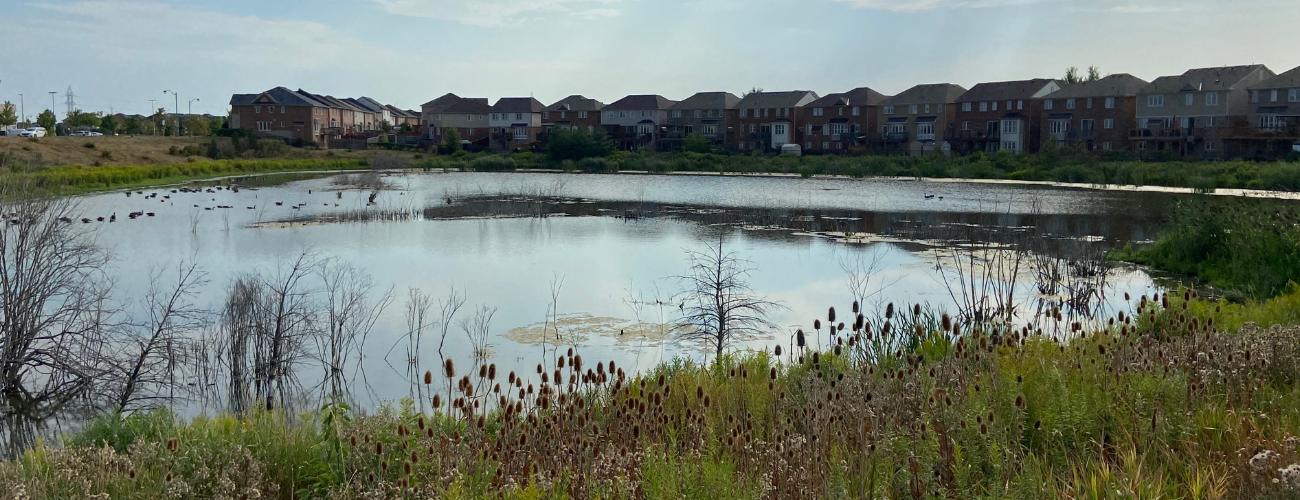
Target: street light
{"x": 152, "y": 111}
{"x": 189, "y": 108}
{"x": 178, "y": 109}
{"x": 22, "y": 102}
{"x": 56, "y": 117}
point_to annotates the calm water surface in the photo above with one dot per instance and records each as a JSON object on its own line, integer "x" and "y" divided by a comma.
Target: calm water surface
{"x": 615, "y": 242}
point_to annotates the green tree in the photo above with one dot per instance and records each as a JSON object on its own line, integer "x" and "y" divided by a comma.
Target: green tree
{"x": 1094, "y": 73}
{"x": 159, "y": 117}
{"x": 197, "y": 126}
{"x": 79, "y": 118}
{"x": 569, "y": 144}
{"x": 133, "y": 126}
{"x": 216, "y": 123}
{"x": 450, "y": 141}
{"x": 696, "y": 143}
{"x": 109, "y": 124}
{"x": 385, "y": 126}
{"x": 47, "y": 120}
{"x": 7, "y": 115}
{"x": 407, "y": 128}
{"x": 1072, "y": 75}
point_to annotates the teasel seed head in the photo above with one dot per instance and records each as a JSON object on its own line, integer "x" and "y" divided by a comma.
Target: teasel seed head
{"x": 428, "y": 377}
{"x": 830, "y": 315}
{"x": 450, "y": 368}
{"x": 437, "y": 401}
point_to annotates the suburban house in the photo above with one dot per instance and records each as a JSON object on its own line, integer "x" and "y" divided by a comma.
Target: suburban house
{"x": 1274, "y": 127}
{"x": 515, "y": 122}
{"x": 351, "y": 119}
{"x": 766, "y": 121}
{"x": 379, "y": 113}
{"x": 1095, "y": 116}
{"x": 917, "y": 121}
{"x": 574, "y": 112}
{"x": 704, "y": 113}
{"x": 837, "y": 123}
{"x": 635, "y": 121}
{"x": 469, "y": 116}
{"x": 1001, "y": 116}
{"x": 404, "y": 117}
{"x": 283, "y": 113}
{"x": 1182, "y": 116}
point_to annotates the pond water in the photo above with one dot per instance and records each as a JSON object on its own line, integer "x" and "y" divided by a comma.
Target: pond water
{"x": 598, "y": 253}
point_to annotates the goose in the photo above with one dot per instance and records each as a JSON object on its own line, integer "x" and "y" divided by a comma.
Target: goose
{"x": 113, "y": 218}
{"x": 99, "y": 219}
{"x": 929, "y": 196}
{"x": 85, "y": 220}
{"x": 150, "y": 214}
{"x": 279, "y": 203}
{"x": 64, "y": 220}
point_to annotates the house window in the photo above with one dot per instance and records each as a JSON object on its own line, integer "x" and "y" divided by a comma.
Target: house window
{"x": 984, "y": 106}
{"x": 839, "y": 145}
{"x": 700, "y": 113}
{"x": 1189, "y": 99}
{"x": 744, "y": 113}
{"x": 496, "y": 116}
{"x": 1105, "y": 146}
{"x": 521, "y": 133}
{"x": 991, "y": 128}
{"x": 752, "y": 128}
{"x": 1109, "y": 123}
{"x": 925, "y": 131}
{"x": 1011, "y": 127}
{"x": 1269, "y": 121}
{"x": 927, "y": 108}
{"x": 965, "y": 125}
{"x": 965, "y": 106}
{"x": 1156, "y": 101}
{"x": 858, "y": 111}
{"x": 940, "y": 105}
{"x": 766, "y": 112}
{"x": 740, "y": 145}
{"x": 840, "y": 111}
{"x": 1047, "y": 104}
{"x": 519, "y": 116}
{"x": 1254, "y": 96}
{"x": 807, "y": 145}
{"x": 1209, "y": 145}
{"x": 281, "y": 124}
{"x": 709, "y": 130}
{"x": 1089, "y": 103}
{"x": 1209, "y": 121}
{"x": 1293, "y": 95}
{"x": 1069, "y": 104}
{"x": 1274, "y": 95}
{"x": 826, "y": 145}
{"x": 1020, "y": 104}
{"x": 1058, "y": 127}
{"x": 817, "y": 111}
{"x": 257, "y": 109}
{"x": 995, "y": 105}
{"x": 1086, "y": 124}
{"x": 1008, "y": 105}
{"x": 581, "y": 114}
{"x": 889, "y": 110}
{"x": 263, "y": 126}
{"x": 808, "y": 129}
{"x": 675, "y": 114}
{"x": 1110, "y": 103}
{"x": 912, "y": 109}
{"x": 546, "y": 115}
{"x": 1142, "y": 145}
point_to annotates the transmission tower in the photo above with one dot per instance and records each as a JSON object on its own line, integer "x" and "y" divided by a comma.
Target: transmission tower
{"x": 72, "y": 101}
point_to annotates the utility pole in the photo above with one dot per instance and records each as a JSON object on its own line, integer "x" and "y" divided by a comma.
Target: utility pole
{"x": 178, "y": 109}
{"x": 153, "y": 110}
{"x": 189, "y": 108}
{"x": 56, "y": 122}
{"x": 22, "y": 102}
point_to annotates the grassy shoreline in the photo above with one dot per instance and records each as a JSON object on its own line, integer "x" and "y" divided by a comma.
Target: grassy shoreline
{"x": 77, "y": 179}
{"x": 1186, "y": 399}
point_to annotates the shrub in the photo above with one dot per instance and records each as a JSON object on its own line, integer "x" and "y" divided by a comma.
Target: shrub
{"x": 388, "y": 161}
{"x": 565, "y": 144}
{"x": 492, "y": 163}
{"x": 89, "y": 145}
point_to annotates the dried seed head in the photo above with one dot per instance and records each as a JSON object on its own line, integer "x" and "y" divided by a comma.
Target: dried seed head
{"x": 450, "y": 368}
{"x": 437, "y": 401}
{"x": 428, "y": 377}
{"x": 817, "y": 324}
{"x": 830, "y": 315}
{"x": 798, "y": 337}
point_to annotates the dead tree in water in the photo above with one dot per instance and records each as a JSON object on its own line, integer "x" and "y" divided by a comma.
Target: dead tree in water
{"x": 146, "y": 370}
{"x": 350, "y": 316}
{"x": 719, "y": 308}
{"x": 53, "y": 316}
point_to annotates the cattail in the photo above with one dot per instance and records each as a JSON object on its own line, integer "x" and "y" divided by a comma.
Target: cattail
{"x": 428, "y": 377}
{"x": 773, "y": 373}
{"x": 450, "y": 368}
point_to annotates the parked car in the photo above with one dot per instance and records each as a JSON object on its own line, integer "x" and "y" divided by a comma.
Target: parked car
{"x": 33, "y": 132}
{"x": 86, "y": 133}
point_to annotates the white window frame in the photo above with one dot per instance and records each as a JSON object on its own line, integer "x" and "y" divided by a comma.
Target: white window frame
{"x": 889, "y": 110}
{"x": 965, "y": 125}
{"x": 817, "y": 111}
{"x": 1047, "y": 104}
{"x": 1293, "y": 95}
{"x": 1156, "y": 101}
{"x": 582, "y": 114}
{"x": 927, "y": 109}
{"x": 984, "y": 106}
{"x": 925, "y": 131}
{"x": 1020, "y": 105}
{"x": 1069, "y": 103}
{"x": 1105, "y": 146}
{"x": 1254, "y": 96}
{"x": 911, "y": 109}
{"x": 699, "y": 113}
{"x": 1273, "y": 97}
{"x": 857, "y": 111}
{"x": 1211, "y": 98}
{"x": 744, "y": 113}
{"x": 965, "y": 106}
{"x": 826, "y": 145}
{"x": 1189, "y": 99}
{"x": 995, "y": 105}
{"x": 1110, "y": 103}
{"x": 1108, "y": 124}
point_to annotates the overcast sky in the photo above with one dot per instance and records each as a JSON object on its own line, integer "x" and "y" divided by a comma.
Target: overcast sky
{"x": 117, "y": 55}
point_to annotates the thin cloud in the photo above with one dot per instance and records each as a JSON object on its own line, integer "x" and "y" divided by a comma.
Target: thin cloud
{"x": 491, "y": 13}
{"x": 924, "y": 5}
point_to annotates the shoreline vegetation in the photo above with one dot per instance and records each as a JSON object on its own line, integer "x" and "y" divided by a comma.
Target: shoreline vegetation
{"x": 1112, "y": 172}
{"x": 1180, "y": 398}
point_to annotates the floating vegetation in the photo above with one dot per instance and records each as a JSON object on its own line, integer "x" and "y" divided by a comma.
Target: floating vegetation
{"x": 578, "y": 329}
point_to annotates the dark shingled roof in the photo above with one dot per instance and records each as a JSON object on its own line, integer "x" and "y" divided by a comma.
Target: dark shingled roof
{"x": 1287, "y": 80}
{"x": 469, "y": 105}
{"x": 281, "y": 96}
{"x": 789, "y": 99}
{"x": 861, "y": 96}
{"x": 927, "y": 93}
{"x": 1206, "y": 79}
{"x": 518, "y": 105}
{"x": 708, "y": 100}
{"x": 1001, "y": 91}
{"x": 576, "y": 103}
{"x": 641, "y": 102}
{"x": 440, "y": 103}
{"x": 1120, "y": 85}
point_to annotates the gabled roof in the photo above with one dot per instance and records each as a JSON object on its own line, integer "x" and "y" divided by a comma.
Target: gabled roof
{"x": 370, "y": 104}
{"x": 1119, "y": 85}
{"x": 1286, "y": 80}
{"x": 927, "y": 93}
{"x": 1020, "y": 89}
{"x": 788, "y": 99}
{"x": 576, "y": 103}
{"x": 518, "y": 105}
{"x": 357, "y": 105}
{"x": 861, "y": 96}
{"x": 708, "y": 100}
{"x": 438, "y": 104}
{"x": 332, "y": 102}
{"x": 279, "y": 96}
{"x": 477, "y": 105}
{"x": 1207, "y": 79}
{"x": 641, "y": 102}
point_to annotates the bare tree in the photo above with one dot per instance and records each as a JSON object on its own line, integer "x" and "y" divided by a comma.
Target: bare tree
{"x": 417, "y": 320}
{"x": 350, "y": 316}
{"x": 719, "y": 308}
{"x": 478, "y": 329}
{"x": 287, "y": 322}
{"x": 862, "y": 271}
{"x": 53, "y": 293}
{"x": 145, "y": 372}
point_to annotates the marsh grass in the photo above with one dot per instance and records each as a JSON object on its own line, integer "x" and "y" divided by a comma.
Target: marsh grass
{"x": 80, "y": 179}
{"x": 1180, "y": 397}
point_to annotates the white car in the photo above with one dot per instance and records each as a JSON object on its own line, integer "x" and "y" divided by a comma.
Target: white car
{"x": 94, "y": 134}
{"x": 33, "y": 132}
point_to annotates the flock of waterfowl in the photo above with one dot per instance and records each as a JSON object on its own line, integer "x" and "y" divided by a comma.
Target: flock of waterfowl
{"x": 165, "y": 197}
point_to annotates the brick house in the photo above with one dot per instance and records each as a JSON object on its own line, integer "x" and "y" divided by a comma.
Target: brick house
{"x": 917, "y": 121}
{"x": 1273, "y": 129}
{"x": 1002, "y": 116}
{"x": 1093, "y": 116}
{"x": 469, "y": 116}
{"x": 765, "y": 121}
{"x": 283, "y": 113}
{"x": 1183, "y": 116}
{"x": 515, "y": 123}
{"x": 636, "y": 121}
{"x": 575, "y": 112}
{"x": 838, "y": 123}
{"x": 704, "y": 113}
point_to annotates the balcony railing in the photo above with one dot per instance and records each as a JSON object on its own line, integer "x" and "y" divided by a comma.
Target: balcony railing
{"x": 890, "y": 137}
{"x": 1171, "y": 133}
{"x": 1080, "y": 135}
{"x": 972, "y": 135}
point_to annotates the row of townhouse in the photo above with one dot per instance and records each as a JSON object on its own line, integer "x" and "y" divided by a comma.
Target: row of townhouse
{"x": 299, "y": 115}
{"x": 1239, "y": 111}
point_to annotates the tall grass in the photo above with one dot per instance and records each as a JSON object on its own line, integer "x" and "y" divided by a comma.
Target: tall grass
{"x": 1164, "y": 402}
{"x": 77, "y": 179}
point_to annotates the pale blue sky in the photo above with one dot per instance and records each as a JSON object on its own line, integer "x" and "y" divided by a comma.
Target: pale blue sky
{"x": 119, "y": 54}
